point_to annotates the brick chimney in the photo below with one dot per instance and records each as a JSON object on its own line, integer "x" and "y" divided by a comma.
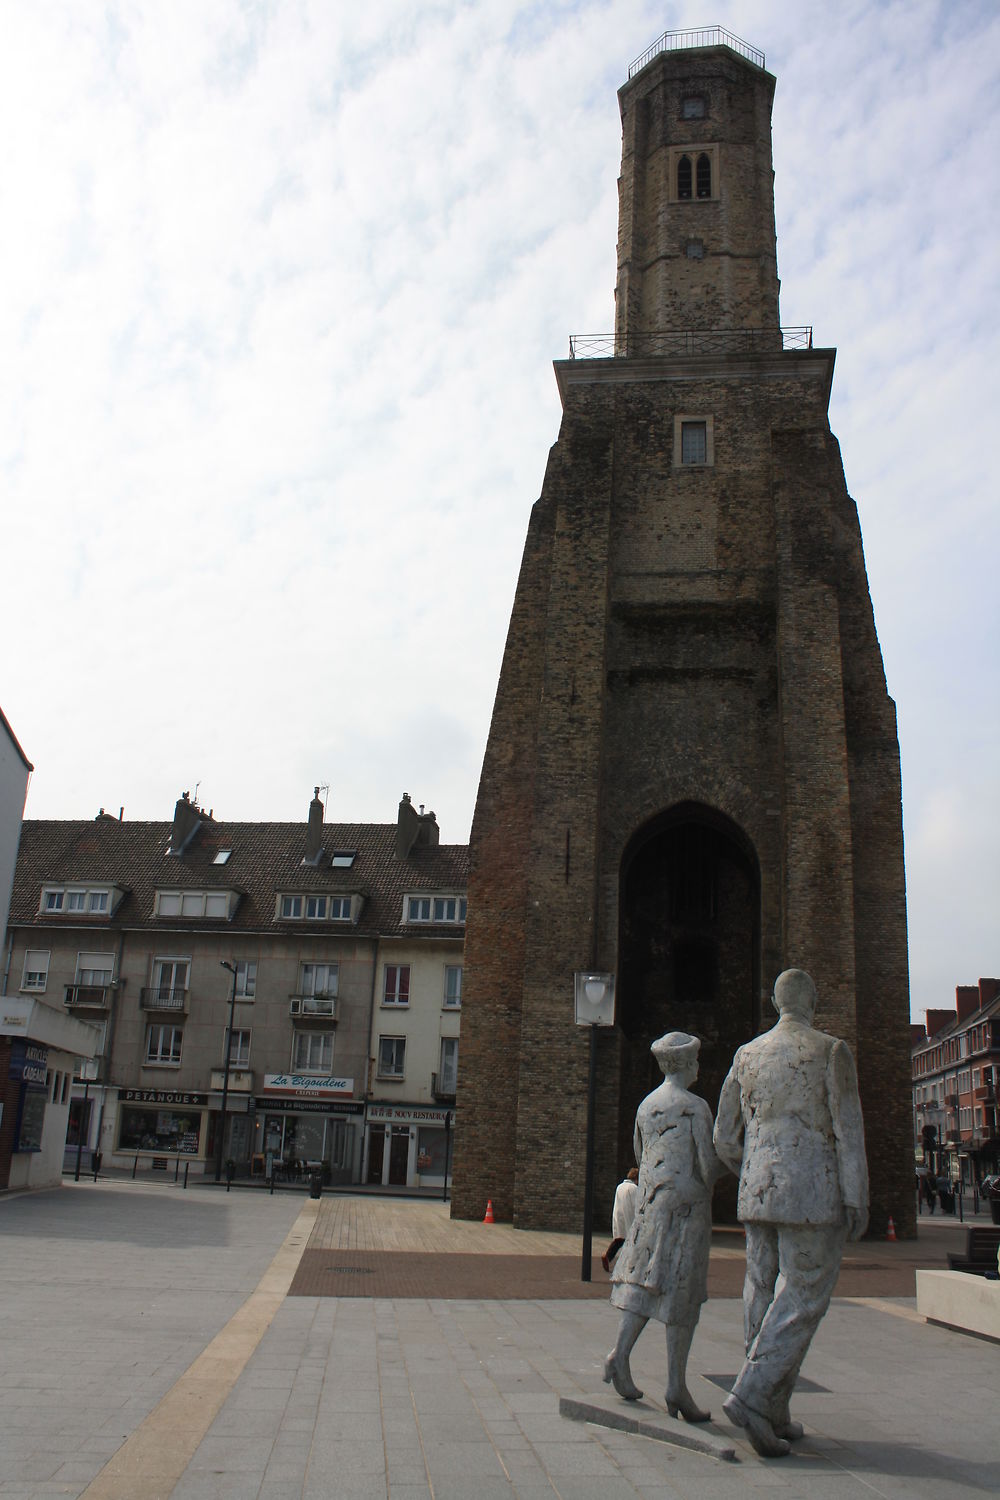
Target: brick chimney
{"x": 989, "y": 989}
{"x": 966, "y": 1000}
{"x": 918, "y": 1034}
{"x": 414, "y": 830}
{"x": 187, "y": 821}
{"x": 937, "y": 1020}
{"x": 314, "y": 831}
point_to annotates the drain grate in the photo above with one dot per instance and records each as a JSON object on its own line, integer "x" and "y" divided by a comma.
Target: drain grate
{"x": 350, "y": 1270}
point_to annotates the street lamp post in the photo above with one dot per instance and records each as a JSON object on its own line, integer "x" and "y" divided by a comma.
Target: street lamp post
{"x": 225, "y": 1071}
{"x": 594, "y": 996}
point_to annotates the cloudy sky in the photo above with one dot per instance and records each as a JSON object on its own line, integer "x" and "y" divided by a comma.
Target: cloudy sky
{"x": 282, "y": 284}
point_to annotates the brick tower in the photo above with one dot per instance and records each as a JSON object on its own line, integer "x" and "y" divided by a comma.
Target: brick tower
{"x": 692, "y": 774}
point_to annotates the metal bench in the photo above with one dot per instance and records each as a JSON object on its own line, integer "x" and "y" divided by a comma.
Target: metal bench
{"x": 980, "y": 1250}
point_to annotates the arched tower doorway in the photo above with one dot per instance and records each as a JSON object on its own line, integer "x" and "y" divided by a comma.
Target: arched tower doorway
{"x": 689, "y": 951}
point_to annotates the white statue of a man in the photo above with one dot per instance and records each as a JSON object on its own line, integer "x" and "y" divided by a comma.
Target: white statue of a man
{"x": 789, "y": 1124}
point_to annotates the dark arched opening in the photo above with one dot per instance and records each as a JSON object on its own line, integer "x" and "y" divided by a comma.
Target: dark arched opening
{"x": 689, "y": 952}
{"x": 704, "y": 176}
{"x": 684, "y": 177}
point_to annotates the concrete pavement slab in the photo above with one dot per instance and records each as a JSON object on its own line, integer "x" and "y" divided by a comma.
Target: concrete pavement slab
{"x": 400, "y": 1397}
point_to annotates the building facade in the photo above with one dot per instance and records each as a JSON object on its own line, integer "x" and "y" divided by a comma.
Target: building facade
{"x": 955, "y": 1060}
{"x": 167, "y": 938}
{"x": 692, "y": 774}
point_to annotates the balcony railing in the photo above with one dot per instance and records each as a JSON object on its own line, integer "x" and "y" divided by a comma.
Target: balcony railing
{"x": 316, "y": 1007}
{"x": 163, "y": 997}
{"x": 94, "y": 995}
{"x": 444, "y": 1085}
{"x": 705, "y": 36}
{"x": 240, "y": 1080}
{"x": 684, "y": 341}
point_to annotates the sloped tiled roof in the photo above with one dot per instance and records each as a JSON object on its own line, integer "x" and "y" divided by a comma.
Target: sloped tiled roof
{"x": 266, "y": 858}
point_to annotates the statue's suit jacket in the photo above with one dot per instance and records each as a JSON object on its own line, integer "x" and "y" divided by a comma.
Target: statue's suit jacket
{"x": 789, "y": 1123}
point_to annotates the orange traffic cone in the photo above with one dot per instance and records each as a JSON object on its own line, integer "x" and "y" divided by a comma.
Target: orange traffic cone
{"x": 890, "y": 1233}
{"x": 489, "y": 1219}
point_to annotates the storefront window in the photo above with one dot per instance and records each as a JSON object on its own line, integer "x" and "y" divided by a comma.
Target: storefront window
{"x": 159, "y": 1130}
{"x": 430, "y": 1152}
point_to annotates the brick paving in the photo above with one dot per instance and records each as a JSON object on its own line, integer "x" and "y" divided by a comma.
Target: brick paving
{"x": 367, "y": 1248}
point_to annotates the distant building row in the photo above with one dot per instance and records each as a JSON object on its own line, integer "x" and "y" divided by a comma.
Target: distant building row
{"x": 336, "y": 949}
{"x": 956, "y": 1078}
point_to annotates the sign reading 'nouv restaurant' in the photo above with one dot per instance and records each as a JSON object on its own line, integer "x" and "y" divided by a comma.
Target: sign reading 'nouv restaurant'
{"x": 307, "y": 1086}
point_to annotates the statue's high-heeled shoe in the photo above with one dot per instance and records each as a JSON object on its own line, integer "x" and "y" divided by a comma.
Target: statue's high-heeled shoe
{"x": 618, "y": 1374}
{"x": 684, "y": 1406}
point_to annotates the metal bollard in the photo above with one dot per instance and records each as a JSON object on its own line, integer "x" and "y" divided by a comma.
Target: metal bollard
{"x": 186, "y": 1165}
{"x": 135, "y": 1163}
{"x": 177, "y": 1167}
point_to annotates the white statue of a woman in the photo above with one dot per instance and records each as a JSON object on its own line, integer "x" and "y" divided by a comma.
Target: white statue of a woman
{"x": 662, "y": 1269}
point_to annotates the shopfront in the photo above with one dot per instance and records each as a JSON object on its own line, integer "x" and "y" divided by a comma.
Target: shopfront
{"x": 39, "y": 1049}
{"x": 408, "y": 1145}
{"x": 303, "y": 1124}
{"x": 163, "y": 1122}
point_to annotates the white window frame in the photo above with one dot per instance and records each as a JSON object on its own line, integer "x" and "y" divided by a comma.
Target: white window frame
{"x": 173, "y": 988}
{"x": 80, "y": 900}
{"x": 239, "y": 1059}
{"x": 193, "y": 906}
{"x": 87, "y": 1067}
{"x": 83, "y": 970}
{"x": 38, "y": 972}
{"x": 246, "y": 978}
{"x": 448, "y": 1073}
{"x": 453, "y": 988}
{"x": 293, "y": 906}
{"x": 305, "y": 1040}
{"x": 428, "y": 908}
{"x": 392, "y": 999}
{"x": 319, "y": 979}
{"x": 161, "y": 1029}
{"x": 392, "y": 1048}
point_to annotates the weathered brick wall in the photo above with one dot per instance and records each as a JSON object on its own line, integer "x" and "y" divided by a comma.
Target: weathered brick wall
{"x": 500, "y": 848}
{"x": 683, "y": 637}
{"x": 651, "y": 670}
{"x": 734, "y": 283}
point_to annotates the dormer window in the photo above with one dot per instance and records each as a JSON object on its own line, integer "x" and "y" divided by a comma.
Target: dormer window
{"x": 77, "y": 900}
{"x": 305, "y": 908}
{"x": 434, "y": 909}
{"x": 211, "y": 905}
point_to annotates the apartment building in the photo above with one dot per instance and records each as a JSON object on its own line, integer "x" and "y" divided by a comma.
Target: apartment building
{"x": 955, "y": 1059}
{"x": 328, "y": 954}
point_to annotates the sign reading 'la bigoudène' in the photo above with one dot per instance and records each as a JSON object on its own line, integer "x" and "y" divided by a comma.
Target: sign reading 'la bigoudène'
{"x": 306, "y": 1086}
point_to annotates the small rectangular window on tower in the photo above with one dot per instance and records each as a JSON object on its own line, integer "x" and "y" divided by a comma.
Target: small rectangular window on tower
{"x": 694, "y": 447}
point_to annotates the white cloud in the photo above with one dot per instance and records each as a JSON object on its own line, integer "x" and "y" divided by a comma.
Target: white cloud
{"x": 282, "y": 287}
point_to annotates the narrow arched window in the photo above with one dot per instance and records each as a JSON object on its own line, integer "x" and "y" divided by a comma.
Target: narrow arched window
{"x": 684, "y": 177}
{"x": 704, "y": 177}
